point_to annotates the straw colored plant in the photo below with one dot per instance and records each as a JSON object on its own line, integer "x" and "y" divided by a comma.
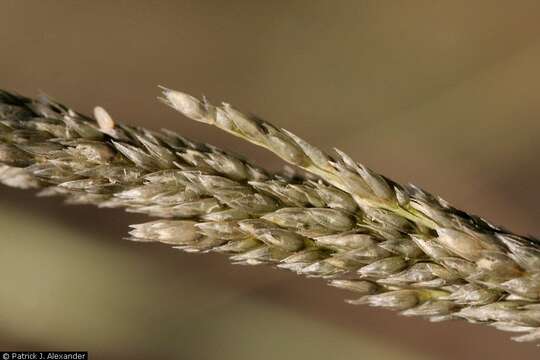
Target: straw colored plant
{"x": 394, "y": 246}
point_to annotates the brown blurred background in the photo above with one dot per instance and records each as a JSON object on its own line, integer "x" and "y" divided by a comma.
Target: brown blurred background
{"x": 440, "y": 93}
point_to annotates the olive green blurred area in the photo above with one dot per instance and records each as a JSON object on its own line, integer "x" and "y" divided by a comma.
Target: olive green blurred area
{"x": 69, "y": 291}
{"x": 443, "y": 94}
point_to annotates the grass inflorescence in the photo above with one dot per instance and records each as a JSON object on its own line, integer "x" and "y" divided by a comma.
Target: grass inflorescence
{"x": 393, "y": 246}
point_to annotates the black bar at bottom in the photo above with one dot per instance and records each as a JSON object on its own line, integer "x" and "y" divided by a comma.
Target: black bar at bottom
{"x": 44, "y": 355}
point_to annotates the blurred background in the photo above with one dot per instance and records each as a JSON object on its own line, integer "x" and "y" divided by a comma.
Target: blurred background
{"x": 443, "y": 94}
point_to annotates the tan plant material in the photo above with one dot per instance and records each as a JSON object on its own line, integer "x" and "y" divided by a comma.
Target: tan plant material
{"x": 393, "y": 246}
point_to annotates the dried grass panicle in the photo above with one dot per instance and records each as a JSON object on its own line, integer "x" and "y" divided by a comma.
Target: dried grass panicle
{"x": 393, "y": 246}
